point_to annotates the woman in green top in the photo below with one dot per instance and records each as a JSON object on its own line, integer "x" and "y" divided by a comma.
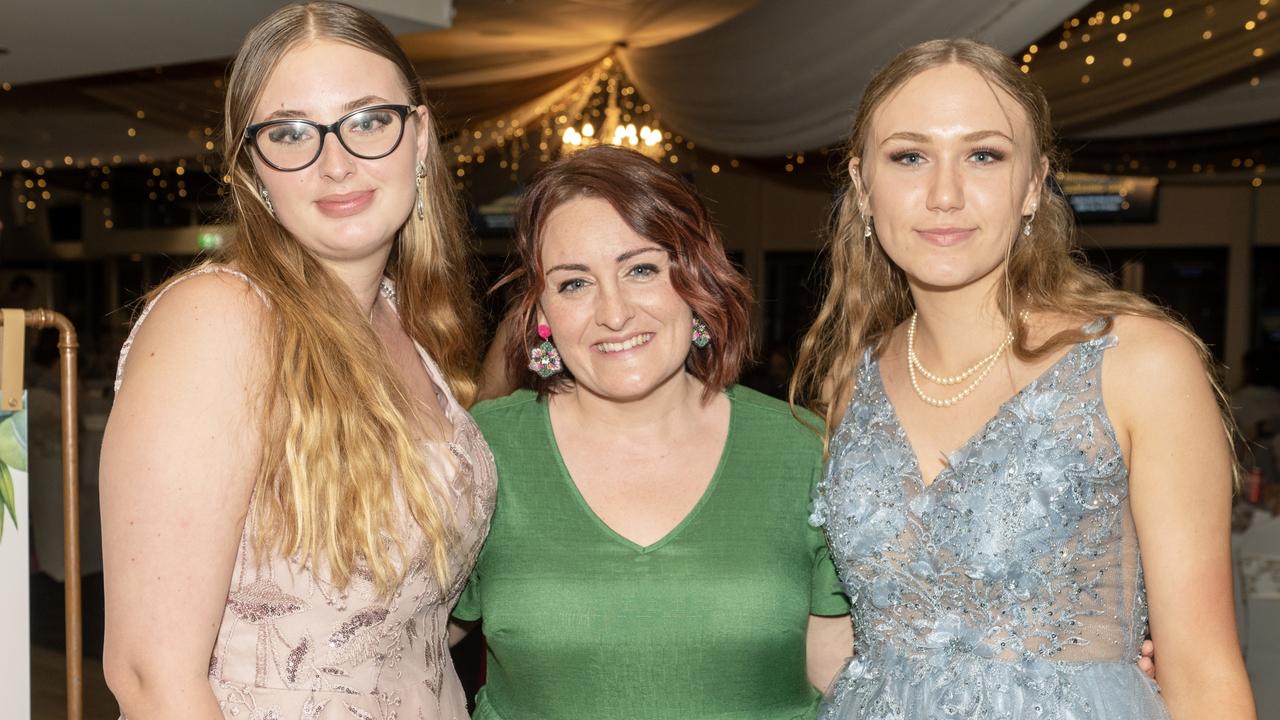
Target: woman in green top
{"x": 649, "y": 557}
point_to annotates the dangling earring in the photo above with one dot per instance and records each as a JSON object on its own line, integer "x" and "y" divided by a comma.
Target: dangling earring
{"x": 1026, "y": 229}
{"x": 701, "y": 337}
{"x": 545, "y": 358}
{"x": 266, "y": 200}
{"x": 421, "y": 173}
{"x": 866, "y": 230}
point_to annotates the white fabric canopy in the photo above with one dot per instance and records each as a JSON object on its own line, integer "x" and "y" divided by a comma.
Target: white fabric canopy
{"x": 786, "y": 76}
{"x": 743, "y": 77}
{"x": 1238, "y": 104}
{"x": 747, "y": 78}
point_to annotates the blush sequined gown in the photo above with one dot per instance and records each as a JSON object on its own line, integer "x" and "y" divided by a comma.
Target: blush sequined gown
{"x": 293, "y": 647}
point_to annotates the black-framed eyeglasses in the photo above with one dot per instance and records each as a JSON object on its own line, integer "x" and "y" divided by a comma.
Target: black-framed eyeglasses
{"x": 369, "y": 133}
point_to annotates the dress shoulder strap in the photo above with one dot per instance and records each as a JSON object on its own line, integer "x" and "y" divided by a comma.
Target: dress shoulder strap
{"x": 146, "y": 310}
{"x": 387, "y": 288}
{"x": 1095, "y": 347}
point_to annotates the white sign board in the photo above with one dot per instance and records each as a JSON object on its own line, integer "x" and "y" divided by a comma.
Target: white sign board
{"x": 15, "y": 573}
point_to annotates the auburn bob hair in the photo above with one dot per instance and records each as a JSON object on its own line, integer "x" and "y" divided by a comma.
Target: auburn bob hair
{"x": 660, "y": 207}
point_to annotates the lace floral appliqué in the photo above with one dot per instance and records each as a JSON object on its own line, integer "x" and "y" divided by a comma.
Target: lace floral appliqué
{"x": 1011, "y": 586}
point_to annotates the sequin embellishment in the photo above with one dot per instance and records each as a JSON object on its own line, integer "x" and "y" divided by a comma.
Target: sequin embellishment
{"x": 291, "y": 646}
{"x": 1008, "y": 588}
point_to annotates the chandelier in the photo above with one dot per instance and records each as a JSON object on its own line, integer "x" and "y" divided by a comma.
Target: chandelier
{"x": 624, "y": 120}
{"x": 599, "y": 107}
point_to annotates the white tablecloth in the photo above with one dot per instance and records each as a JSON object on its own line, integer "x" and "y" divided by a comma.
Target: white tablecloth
{"x": 1257, "y": 556}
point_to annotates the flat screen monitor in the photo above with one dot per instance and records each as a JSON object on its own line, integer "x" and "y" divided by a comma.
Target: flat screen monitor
{"x": 1110, "y": 198}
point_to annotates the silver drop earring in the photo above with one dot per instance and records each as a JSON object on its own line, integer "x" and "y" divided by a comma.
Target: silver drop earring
{"x": 266, "y": 200}
{"x": 421, "y": 173}
{"x": 1026, "y": 228}
{"x": 866, "y": 230}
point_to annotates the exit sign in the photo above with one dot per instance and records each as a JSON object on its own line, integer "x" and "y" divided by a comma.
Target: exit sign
{"x": 209, "y": 241}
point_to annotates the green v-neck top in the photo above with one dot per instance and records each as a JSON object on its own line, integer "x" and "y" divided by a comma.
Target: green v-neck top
{"x": 707, "y": 622}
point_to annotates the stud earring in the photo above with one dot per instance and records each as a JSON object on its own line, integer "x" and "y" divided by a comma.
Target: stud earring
{"x": 545, "y": 358}
{"x": 701, "y": 337}
{"x": 266, "y": 200}
{"x": 421, "y": 172}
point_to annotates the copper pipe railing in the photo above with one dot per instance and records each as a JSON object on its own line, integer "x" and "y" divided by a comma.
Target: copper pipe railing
{"x": 67, "y": 345}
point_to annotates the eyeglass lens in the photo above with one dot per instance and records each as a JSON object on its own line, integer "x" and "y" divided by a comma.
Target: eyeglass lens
{"x": 369, "y": 134}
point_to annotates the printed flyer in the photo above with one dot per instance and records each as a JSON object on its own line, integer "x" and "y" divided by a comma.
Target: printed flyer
{"x": 15, "y": 557}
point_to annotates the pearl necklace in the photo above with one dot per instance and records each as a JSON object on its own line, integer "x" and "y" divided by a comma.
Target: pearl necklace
{"x": 982, "y": 368}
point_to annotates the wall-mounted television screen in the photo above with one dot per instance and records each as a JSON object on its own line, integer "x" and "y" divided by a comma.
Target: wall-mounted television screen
{"x": 1110, "y": 198}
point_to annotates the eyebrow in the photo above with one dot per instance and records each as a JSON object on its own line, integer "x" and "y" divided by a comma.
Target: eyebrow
{"x": 638, "y": 251}
{"x": 922, "y": 138}
{"x": 366, "y": 100}
{"x": 353, "y": 105}
{"x": 578, "y": 267}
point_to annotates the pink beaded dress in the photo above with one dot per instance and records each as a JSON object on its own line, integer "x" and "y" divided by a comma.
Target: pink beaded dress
{"x": 293, "y": 647}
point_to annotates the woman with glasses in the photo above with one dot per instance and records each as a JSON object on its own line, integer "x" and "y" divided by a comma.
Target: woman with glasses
{"x": 292, "y": 493}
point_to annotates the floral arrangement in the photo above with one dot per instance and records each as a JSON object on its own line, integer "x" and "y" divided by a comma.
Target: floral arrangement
{"x": 13, "y": 456}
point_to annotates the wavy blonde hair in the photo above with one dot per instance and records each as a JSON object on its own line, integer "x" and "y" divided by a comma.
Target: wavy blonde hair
{"x": 866, "y": 295}
{"x": 339, "y": 455}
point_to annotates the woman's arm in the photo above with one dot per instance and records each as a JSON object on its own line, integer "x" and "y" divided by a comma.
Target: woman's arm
{"x": 495, "y": 381}
{"x": 1180, "y": 489}
{"x": 828, "y": 643}
{"x": 178, "y": 464}
{"x": 458, "y": 630}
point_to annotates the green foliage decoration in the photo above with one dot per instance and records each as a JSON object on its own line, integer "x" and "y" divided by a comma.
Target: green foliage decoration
{"x": 13, "y": 456}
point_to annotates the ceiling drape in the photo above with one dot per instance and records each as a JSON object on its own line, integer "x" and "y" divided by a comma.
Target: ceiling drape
{"x": 747, "y": 78}
{"x": 786, "y": 76}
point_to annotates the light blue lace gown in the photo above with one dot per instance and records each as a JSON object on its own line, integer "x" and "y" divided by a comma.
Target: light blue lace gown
{"x": 1011, "y": 587}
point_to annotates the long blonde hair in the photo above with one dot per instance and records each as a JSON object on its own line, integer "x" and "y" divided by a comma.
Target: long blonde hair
{"x": 339, "y": 455}
{"x": 867, "y": 296}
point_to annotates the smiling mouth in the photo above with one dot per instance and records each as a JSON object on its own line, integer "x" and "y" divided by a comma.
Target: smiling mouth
{"x": 345, "y": 204}
{"x": 632, "y": 342}
{"x": 946, "y": 236}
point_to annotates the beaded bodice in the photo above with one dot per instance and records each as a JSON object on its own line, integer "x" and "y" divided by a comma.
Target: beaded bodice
{"x": 1022, "y": 550}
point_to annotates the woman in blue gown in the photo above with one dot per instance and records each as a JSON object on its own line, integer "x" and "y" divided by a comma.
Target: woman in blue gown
{"x": 1028, "y": 469}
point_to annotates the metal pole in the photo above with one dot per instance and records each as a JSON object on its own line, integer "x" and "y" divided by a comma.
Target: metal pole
{"x": 68, "y": 345}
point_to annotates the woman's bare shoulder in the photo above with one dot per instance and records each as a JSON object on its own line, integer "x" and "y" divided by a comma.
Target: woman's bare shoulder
{"x": 1150, "y": 352}
{"x": 1155, "y": 375}
{"x": 206, "y": 322}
